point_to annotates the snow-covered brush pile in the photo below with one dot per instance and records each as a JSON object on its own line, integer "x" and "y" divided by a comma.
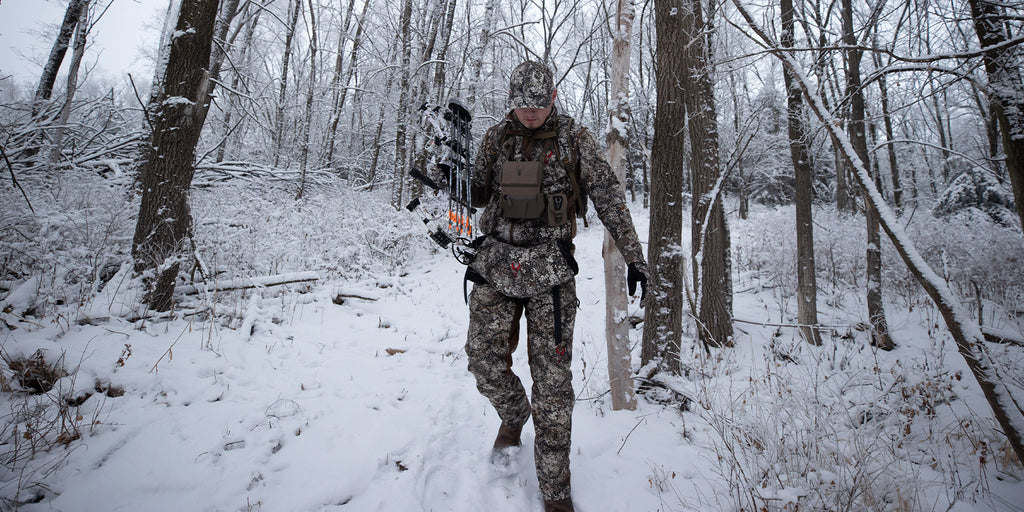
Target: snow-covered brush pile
{"x": 55, "y": 259}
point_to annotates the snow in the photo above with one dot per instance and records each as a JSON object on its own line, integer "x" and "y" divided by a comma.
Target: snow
{"x": 293, "y": 400}
{"x": 306, "y": 410}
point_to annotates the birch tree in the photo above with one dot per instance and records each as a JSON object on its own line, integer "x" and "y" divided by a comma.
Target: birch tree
{"x": 616, "y": 300}
{"x": 72, "y": 17}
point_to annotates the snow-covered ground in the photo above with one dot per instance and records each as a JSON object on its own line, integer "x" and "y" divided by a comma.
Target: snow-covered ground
{"x": 302, "y": 404}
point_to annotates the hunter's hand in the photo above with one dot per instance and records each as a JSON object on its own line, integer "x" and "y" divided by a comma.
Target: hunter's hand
{"x": 637, "y": 273}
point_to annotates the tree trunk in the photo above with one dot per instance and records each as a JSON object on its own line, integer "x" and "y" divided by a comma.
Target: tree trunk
{"x": 709, "y": 238}
{"x": 164, "y": 223}
{"x": 338, "y": 87}
{"x": 236, "y": 81}
{"x": 807, "y": 287}
{"x": 446, "y": 35}
{"x": 858, "y": 135}
{"x": 283, "y": 94}
{"x": 60, "y": 47}
{"x": 663, "y": 321}
{"x": 401, "y": 149}
{"x": 310, "y": 90}
{"x": 890, "y": 146}
{"x": 1006, "y": 97}
{"x": 77, "y": 52}
{"x": 477, "y": 66}
{"x": 617, "y": 302}
{"x": 940, "y": 125}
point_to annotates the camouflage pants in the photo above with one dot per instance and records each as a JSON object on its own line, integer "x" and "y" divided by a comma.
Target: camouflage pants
{"x": 494, "y": 335}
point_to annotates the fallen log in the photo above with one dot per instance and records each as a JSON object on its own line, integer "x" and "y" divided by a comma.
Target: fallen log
{"x": 243, "y": 283}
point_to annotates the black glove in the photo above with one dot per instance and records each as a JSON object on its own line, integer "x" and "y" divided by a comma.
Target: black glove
{"x": 636, "y": 274}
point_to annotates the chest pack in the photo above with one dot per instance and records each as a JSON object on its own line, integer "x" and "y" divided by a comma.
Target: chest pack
{"x": 521, "y": 194}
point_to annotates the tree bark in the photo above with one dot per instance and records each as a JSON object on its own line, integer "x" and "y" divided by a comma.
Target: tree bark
{"x": 164, "y": 223}
{"x": 401, "y": 149}
{"x": 890, "y": 146}
{"x": 663, "y": 321}
{"x": 709, "y": 238}
{"x": 1006, "y": 91}
{"x": 310, "y": 90}
{"x": 77, "y": 52}
{"x": 858, "y": 135}
{"x": 283, "y": 91}
{"x": 807, "y": 287}
{"x": 616, "y": 300}
{"x": 72, "y": 15}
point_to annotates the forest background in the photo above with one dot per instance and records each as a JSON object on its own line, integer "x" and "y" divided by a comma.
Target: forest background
{"x": 803, "y": 126}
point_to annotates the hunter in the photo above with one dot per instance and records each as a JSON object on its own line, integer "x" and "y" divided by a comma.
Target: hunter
{"x": 535, "y": 170}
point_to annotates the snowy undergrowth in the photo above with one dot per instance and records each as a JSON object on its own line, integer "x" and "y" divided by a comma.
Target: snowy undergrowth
{"x": 845, "y": 426}
{"x": 352, "y": 393}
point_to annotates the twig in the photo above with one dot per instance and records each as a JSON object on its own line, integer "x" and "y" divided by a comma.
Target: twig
{"x": 170, "y": 349}
{"x": 629, "y": 434}
{"x": 145, "y": 111}
{"x": 15, "y": 179}
{"x": 795, "y": 326}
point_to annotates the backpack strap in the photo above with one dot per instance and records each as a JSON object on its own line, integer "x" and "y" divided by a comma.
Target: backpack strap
{"x": 571, "y": 164}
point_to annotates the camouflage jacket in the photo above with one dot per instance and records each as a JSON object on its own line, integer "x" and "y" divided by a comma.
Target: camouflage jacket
{"x": 596, "y": 179}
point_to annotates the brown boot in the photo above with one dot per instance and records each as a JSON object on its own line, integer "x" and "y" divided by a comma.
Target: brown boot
{"x": 507, "y": 437}
{"x": 562, "y": 505}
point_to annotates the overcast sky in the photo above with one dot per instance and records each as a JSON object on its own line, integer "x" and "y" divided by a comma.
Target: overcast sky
{"x": 29, "y": 27}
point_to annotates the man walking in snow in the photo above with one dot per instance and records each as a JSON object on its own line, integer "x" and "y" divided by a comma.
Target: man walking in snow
{"x": 535, "y": 170}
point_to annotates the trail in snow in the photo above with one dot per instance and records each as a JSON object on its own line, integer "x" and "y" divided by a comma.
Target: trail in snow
{"x": 303, "y": 409}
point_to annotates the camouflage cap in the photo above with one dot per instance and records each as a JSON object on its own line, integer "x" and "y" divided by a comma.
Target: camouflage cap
{"x": 531, "y": 86}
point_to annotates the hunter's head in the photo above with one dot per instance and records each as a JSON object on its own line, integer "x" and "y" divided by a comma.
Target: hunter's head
{"x": 531, "y": 93}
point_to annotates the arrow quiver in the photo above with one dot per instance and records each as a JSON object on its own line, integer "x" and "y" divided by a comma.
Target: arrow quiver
{"x": 449, "y": 138}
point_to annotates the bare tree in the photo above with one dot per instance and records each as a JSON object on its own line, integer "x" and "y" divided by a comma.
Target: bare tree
{"x": 663, "y": 323}
{"x": 72, "y": 17}
{"x": 858, "y": 135}
{"x": 807, "y": 287}
{"x": 283, "y": 84}
{"x": 619, "y": 360}
{"x": 890, "y": 146}
{"x": 710, "y": 233}
{"x": 310, "y": 91}
{"x": 340, "y": 83}
{"x": 401, "y": 149}
{"x": 77, "y": 52}
{"x": 177, "y": 118}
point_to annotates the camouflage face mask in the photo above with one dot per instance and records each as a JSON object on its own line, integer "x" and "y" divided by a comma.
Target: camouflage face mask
{"x": 531, "y": 86}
